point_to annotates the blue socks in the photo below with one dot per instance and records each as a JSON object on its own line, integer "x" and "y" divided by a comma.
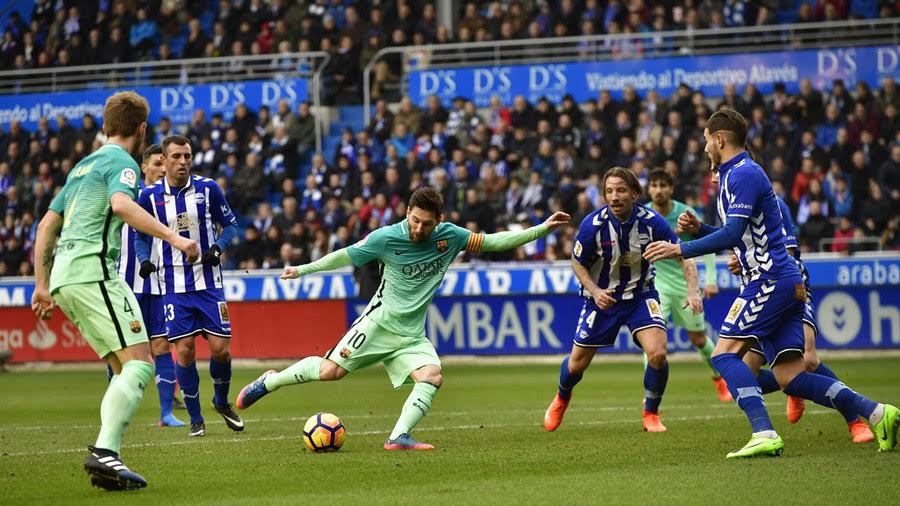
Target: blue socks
{"x": 189, "y": 381}
{"x": 830, "y": 393}
{"x": 767, "y": 381}
{"x": 655, "y": 386}
{"x": 567, "y": 380}
{"x": 745, "y": 389}
{"x": 221, "y": 376}
{"x": 165, "y": 382}
{"x": 822, "y": 370}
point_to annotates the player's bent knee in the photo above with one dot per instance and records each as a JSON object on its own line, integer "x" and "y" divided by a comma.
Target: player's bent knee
{"x": 656, "y": 357}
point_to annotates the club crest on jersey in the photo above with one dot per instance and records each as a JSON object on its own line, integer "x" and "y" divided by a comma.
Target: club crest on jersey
{"x": 184, "y": 222}
{"x": 442, "y": 246}
{"x": 224, "y": 317}
{"x": 136, "y": 326}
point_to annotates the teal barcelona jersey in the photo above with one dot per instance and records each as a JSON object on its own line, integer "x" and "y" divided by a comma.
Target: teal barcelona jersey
{"x": 412, "y": 271}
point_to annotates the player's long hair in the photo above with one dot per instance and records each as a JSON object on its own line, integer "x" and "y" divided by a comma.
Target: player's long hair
{"x": 626, "y": 175}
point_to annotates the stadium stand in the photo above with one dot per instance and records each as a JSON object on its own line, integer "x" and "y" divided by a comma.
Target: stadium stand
{"x": 834, "y": 153}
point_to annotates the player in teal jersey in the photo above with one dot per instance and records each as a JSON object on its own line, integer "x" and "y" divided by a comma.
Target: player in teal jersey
{"x": 416, "y": 253}
{"x": 670, "y": 282}
{"x": 84, "y": 225}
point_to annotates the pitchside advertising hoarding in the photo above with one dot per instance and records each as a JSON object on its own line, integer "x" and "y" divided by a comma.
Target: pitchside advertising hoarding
{"x": 585, "y": 80}
{"x": 178, "y": 103}
{"x": 478, "y": 310}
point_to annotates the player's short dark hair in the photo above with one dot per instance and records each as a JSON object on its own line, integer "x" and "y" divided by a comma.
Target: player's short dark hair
{"x": 660, "y": 175}
{"x": 428, "y": 199}
{"x": 729, "y": 120}
{"x": 626, "y": 175}
{"x": 123, "y": 114}
{"x": 154, "y": 149}
{"x": 178, "y": 140}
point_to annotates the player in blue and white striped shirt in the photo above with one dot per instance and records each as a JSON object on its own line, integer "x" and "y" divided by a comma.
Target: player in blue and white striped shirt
{"x": 144, "y": 283}
{"x": 771, "y": 304}
{"x": 859, "y": 430}
{"x": 192, "y": 291}
{"x": 617, "y": 286}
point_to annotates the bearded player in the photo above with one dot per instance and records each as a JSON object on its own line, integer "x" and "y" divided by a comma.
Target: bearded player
{"x": 770, "y": 308}
{"x": 416, "y": 254}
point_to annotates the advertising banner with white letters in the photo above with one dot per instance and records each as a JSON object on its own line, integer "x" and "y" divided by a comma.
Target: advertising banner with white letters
{"x": 508, "y": 309}
{"x": 585, "y": 80}
{"x": 178, "y": 103}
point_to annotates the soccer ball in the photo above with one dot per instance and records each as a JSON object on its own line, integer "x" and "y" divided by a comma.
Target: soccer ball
{"x": 324, "y": 432}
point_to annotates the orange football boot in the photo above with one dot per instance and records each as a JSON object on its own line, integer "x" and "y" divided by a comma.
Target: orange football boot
{"x": 554, "y": 415}
{"x": 795, "y": 407}
{"x": 860, "y": 431}
{"x": 652, "y": 422}
{"x": 722, "y": 389}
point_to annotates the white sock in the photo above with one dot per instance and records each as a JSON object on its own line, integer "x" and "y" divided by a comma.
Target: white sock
{"x": 768, "y": 434}
{"x": 877, "y": 415}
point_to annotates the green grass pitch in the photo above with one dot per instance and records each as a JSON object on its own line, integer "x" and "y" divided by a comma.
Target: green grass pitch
{"x": 486, "y": 426}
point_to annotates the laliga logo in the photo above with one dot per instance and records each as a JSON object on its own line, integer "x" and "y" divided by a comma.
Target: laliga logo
{"x": 544, "y": 77}
{"x": 42, "y": 338}
{"x": 440, "y": 82}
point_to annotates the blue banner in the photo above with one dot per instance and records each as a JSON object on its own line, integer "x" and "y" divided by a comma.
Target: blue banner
{"x": 178, "y": 103}
{"x": 848, "y": 318}
{"x": 584, "y": 80}
{"x": 494, "y": 279}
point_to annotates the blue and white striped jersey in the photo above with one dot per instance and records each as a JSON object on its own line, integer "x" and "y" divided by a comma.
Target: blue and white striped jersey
{"x": 790, "y": 239}
{"x": 613, "y": 251}
{"x": 128, "y": 266}
{"x": 194, "y": 212}
{"x": 745, "y": 192}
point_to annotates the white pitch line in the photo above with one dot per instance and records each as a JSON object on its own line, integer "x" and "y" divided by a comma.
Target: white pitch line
{"x": 374, "y": 432}
{"x": 394, "y": 415}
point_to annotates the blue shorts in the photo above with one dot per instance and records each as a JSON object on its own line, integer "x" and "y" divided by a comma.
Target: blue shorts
{"x": 809, "y": 318}
{"x": 194, "y": 312}
{"x": 769, "y": 312}
{"x": 154, "y": 315}
{"x": 598, "y": 328}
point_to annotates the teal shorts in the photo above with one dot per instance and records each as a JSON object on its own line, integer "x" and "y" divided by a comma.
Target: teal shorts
{"x": 105, "y": 312}
{"x": 366, "y": 343}
{"x": 670, "y": 304}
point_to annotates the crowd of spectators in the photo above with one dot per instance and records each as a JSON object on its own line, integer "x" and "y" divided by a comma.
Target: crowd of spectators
{"x": 834, "y": 155}
{"x": 88, "y": 32}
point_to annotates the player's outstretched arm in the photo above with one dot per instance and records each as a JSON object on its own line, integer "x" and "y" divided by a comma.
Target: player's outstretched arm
{"x": 689, "y": 268}
{"x": 135, "y": 216}
{"x": 688, "y": 222}
{"x": 502, "y": 241}
{"x": 329, "y": 262}
{"x": 42, "y": 302}
{"x": 726, "y": 237}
